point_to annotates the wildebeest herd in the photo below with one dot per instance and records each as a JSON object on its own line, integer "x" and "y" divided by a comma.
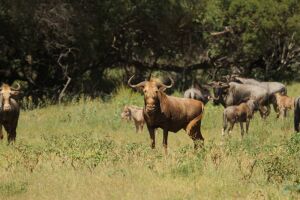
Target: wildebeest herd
{"x": 241, "y": 97}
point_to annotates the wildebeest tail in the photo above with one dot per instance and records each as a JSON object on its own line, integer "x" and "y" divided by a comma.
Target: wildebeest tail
{"x": 195, "y": 120}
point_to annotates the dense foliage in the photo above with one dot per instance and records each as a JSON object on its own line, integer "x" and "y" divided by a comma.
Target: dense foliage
{"x": 43, "y": 43}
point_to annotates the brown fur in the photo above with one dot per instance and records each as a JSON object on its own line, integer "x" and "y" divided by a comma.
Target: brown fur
{"x": 284, "y": 103}
{"x": 241, "y": 113}
{"x": 134, "y": 114}
{"x": 171, "y": 113}
{"x": 9, "y": 112}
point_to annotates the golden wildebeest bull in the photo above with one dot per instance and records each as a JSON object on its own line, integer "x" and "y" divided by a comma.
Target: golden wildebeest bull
{"x": 170, "y": 113}
{"x": 9, "y": 111}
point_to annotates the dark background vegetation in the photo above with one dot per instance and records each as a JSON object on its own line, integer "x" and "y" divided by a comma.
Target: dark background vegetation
{"x": 98, "y": 44}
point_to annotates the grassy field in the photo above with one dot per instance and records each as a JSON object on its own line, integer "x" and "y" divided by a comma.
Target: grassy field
{"x": 84, "y": 151}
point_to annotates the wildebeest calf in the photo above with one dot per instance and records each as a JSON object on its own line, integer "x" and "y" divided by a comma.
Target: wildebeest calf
{"x": 135, "y": 114}
{"x": 284, "y": 103}
{"x": 241, "y": 113}
{"x": 297, "y": 114}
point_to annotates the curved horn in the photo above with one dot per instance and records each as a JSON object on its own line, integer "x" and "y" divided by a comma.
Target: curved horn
{"x": 167, "y": 86}
{"x": 18, "y": 87}
{"x": 137, "y": 85}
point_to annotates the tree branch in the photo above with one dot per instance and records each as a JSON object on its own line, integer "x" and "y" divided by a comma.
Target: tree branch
{"x": 227, "y": 29}
{"x": 62, "y": 93}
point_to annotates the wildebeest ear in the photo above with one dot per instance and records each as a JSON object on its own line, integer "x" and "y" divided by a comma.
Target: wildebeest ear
{"x": 162, "y": 89}
{"x": 163, "y": 86}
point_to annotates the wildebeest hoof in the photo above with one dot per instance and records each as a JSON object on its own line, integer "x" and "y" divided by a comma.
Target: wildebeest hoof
{"x": 223, "y": 132}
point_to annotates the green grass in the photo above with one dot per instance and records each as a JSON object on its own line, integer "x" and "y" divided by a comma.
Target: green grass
{"x": 84, "y": 151}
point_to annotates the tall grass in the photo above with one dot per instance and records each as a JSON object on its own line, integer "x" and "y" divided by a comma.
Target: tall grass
{"x": 84, "y": 151}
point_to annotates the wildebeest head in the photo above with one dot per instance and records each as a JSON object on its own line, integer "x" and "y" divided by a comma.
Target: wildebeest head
{"x": 152, "y": 89}
{"x": 220, "y": 91}
{"x": 6, "y": 92}
{"x": 126, "y": 114}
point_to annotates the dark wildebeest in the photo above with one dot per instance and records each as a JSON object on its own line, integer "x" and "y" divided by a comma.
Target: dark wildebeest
{"x": 200, "y": 93}
{"x": 297, "y": 114}
{"x": 9, "y": 111}
{"x": 284, "y": 103}
{"x": 241, "y": 113}
{"x": 135, "y": 114}
{"x": 271, "y": 87}
{"x": 229, "y": 94}
{"x": 170, "y": 113}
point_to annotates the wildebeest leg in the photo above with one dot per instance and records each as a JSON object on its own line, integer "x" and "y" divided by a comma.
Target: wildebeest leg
{"x": 230, "y": 128}
{"x": 196, "y": 136}
{"x": 136, "y": 126}
{"x": 152, "y": 137}
{"x": 275, "y": 106}
{"x": 11, "y": 133}
{"x": 285, "y": 112}
{"x": 11, "y": 130}
{"x": 224, "y": 130}
{"x": 165, "y": 141}
{"x": 282, "y": 112}
{"x": 242, "y": 129}
{"x": 141, "y": 127}
{"x": 277, "y": 112}
{"x": 193, "y": 130}
{"x": 296, "y": 119}
{"x": 1, "y": 133}
{"x": 261, "y": 112}
{"x": 199, "y": 138}
{"x": 247, "y": 125}
{"x": 268, "y": 110}
{"x": 225, "y": 125}
{"x": 264, "y": 113}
